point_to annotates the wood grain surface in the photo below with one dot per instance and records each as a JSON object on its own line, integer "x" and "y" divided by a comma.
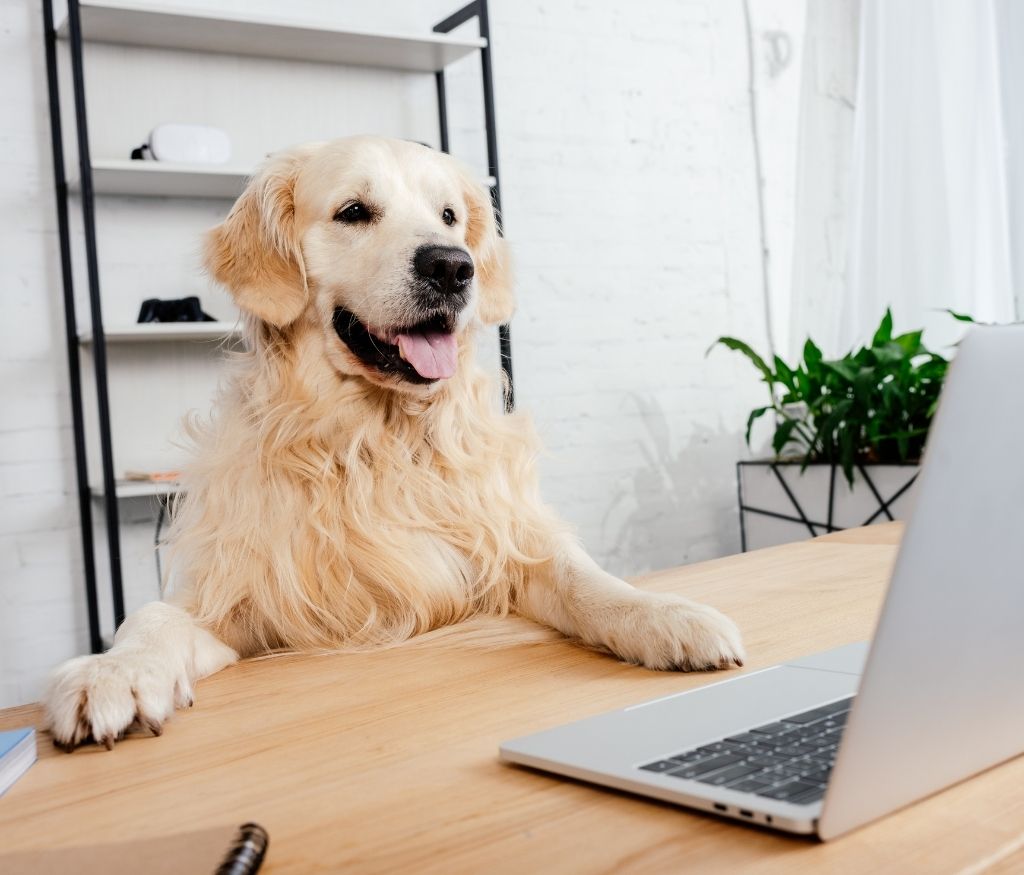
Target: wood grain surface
{"x": 387, "y": 761}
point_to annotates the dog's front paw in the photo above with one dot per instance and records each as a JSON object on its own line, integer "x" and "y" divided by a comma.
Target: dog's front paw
{"x": 101, "y": 696}
{"x": 668, "y": 632}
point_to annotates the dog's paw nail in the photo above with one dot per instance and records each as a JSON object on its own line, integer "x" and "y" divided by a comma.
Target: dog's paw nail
{"x": 739, "y": 662}
{"x": 108, "y": 742}
{"x": 66, "y": 746}
{"x": 154, "y": 727}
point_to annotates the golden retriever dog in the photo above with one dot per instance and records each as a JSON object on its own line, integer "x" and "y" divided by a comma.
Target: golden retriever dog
{"x": 359, "y": 483}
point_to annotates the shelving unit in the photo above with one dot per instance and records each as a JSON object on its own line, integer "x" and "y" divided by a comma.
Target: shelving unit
{"x": 126, "y": 22}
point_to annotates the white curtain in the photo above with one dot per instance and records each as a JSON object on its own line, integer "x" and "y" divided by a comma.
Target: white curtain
{"x": 824, "y": 160}
{"x": 930, "y": 204}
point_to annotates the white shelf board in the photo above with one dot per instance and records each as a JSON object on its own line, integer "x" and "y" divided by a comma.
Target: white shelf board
{"x": 165, "y": 179}
{"x": 139, "y": 489}
{"x": 128, "y": 23}
{"x": 166, "y": 331}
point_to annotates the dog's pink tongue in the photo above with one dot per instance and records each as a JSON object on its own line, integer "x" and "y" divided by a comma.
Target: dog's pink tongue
{"x": 432, "y": 353}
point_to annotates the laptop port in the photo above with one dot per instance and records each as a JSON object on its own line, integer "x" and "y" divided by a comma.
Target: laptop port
{"x": 767, "y": 818}
{"x": 746, "y": 813}
{"x": 720, "y": 807}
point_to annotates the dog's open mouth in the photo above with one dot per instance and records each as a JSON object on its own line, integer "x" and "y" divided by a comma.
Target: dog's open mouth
{"x": 421, "y": 353}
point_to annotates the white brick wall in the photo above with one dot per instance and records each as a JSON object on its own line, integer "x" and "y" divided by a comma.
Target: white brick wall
{"x": 629, "y": 198}
{"x": 629, "y": 195}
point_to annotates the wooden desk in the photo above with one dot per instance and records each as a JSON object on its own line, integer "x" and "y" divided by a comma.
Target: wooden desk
{"x": 387, "y": 762}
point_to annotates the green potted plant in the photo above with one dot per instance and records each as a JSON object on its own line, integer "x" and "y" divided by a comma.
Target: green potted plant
{"x": 848, "y": 436}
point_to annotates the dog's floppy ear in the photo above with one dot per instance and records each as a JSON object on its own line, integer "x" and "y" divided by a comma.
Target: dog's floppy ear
{"x": 490, "y": 256}
{"x": 254, "y": 252}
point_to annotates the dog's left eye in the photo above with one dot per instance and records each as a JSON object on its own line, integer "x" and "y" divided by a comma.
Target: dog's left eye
{"x": 448, "y": 216}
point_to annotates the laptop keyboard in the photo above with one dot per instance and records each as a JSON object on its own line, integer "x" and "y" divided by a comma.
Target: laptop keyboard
{"x": 789, "y": 760}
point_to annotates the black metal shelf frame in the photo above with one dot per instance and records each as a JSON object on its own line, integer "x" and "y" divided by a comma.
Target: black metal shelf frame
{"x": 476, "y": 9}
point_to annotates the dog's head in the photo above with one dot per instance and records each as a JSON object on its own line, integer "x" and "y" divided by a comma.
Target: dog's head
{"x": 390, "y": 248}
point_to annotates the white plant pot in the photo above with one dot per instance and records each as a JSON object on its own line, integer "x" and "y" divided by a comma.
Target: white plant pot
{"x": 780, "y": 504}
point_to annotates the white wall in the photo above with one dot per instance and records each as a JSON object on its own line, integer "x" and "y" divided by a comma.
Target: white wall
{"x": 629, "y": 194}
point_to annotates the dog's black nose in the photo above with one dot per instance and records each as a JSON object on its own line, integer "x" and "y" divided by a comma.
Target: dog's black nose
{"x": 447, "y": 268}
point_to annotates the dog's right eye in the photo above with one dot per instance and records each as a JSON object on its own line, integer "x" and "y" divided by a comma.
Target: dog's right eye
{"x": 353, "y": 214}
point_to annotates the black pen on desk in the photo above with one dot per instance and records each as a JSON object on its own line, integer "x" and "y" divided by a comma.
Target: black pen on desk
{"x": 247, "y": 851}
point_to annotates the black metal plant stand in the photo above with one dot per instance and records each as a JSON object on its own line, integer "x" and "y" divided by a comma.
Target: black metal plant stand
{"x": 476, "y": 9}
{"x": 799, "y": 515}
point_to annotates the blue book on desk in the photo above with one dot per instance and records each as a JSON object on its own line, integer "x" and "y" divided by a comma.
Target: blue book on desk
{"x": 17, "y": 753}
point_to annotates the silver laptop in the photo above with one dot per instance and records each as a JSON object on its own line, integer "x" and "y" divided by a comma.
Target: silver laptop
{"x": 829, "y": 742}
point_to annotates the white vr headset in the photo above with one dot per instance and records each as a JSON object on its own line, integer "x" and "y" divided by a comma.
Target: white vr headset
{"x": 185, "y": 144}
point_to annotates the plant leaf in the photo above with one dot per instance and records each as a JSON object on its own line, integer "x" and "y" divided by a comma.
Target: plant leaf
{"x": 755, "y": 414}
{"x": 961, "y": 317}
{"x": 844, "y": 367}
{"x": 812, "y": 355}
{"x": 889, "y": 353}
{"x": 783, "y": 435}
{"x": 884, "y": 332}
{"x": 739, "y": 346}
{"x": 784, "y": 374}
{"x": 910, "y": 343}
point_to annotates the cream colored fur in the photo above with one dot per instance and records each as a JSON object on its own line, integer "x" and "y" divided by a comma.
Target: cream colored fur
{"x": 333, "y": 507}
